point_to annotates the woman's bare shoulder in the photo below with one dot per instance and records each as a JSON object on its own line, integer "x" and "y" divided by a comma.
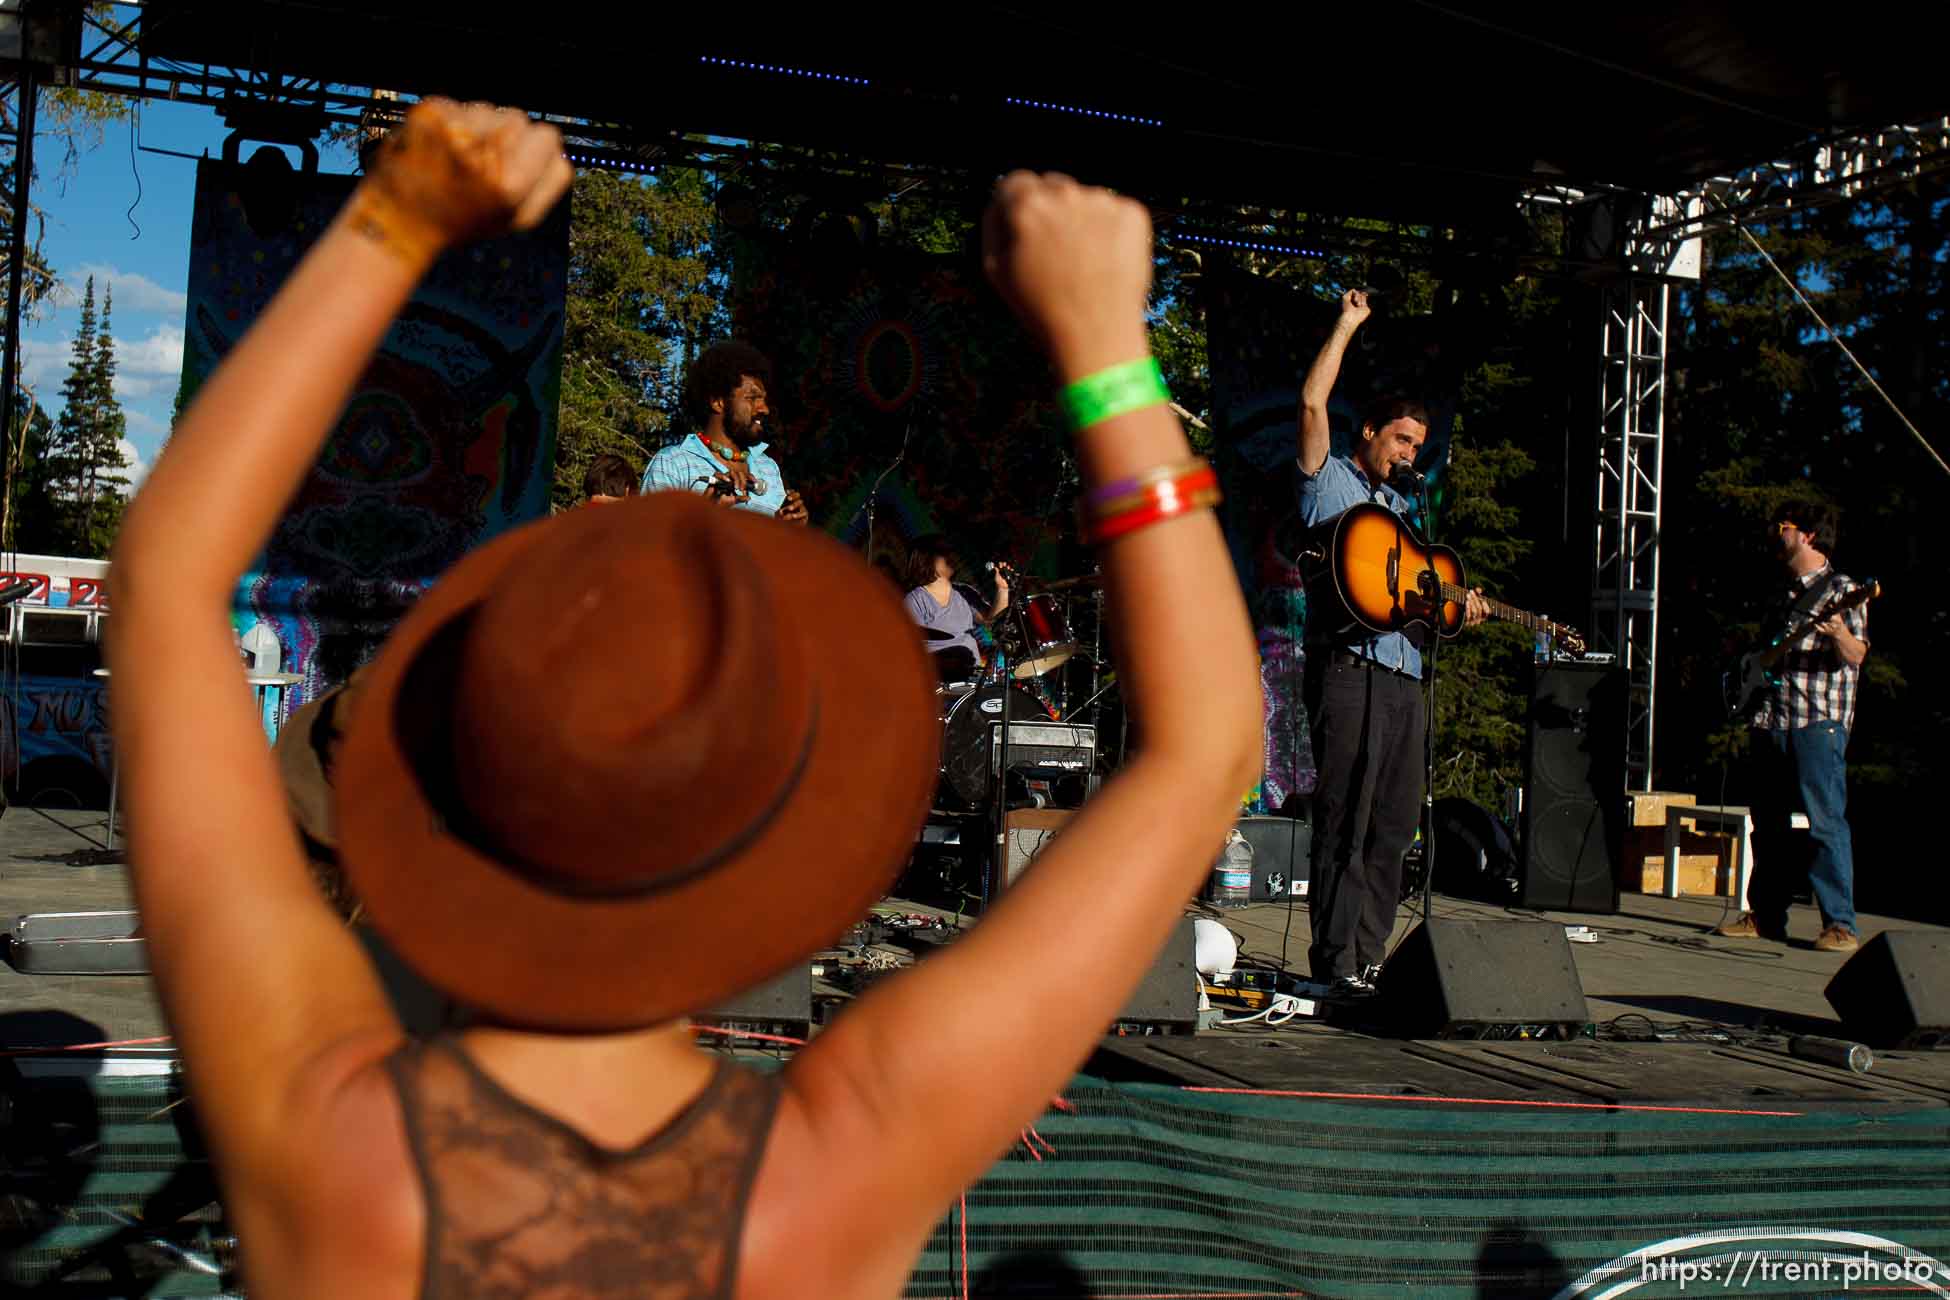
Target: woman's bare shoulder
{"x": 342, "y": 1199}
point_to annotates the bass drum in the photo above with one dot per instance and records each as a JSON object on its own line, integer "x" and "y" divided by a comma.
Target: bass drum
{"x": 967, "y": 742}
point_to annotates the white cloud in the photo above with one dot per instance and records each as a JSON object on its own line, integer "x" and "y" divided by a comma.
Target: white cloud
{"x": 43, "y": 365}
{"x": 159, "y": 354}
{"x": 140, "y": 421}
{"x": 142, "y": 388}
{"x": 138, "y": 468}
{"x": 132, "y": 290}
{"x": 144, "y": 368}
{"x": 149, "y": 367}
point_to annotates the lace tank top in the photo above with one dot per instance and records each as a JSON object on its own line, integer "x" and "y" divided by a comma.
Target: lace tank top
{"x": 521, "y": 1205}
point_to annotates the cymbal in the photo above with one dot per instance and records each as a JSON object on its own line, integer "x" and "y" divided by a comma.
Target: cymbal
{"x": 1065, "y": 584}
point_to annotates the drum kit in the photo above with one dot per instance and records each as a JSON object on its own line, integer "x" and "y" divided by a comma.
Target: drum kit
{"x": 1033, "y": 641}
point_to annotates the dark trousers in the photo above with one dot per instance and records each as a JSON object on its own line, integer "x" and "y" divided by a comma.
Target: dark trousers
{"x": 1801, "y": 771}
{"x": 1367, "y": 733}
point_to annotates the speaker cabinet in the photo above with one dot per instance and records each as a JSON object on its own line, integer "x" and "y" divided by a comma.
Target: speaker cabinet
{"x": 782, "y": 1005}
{"x": 1574, "y": 781}
{"x": 1482, "y": 979}
{"x": 1894, "y": 993}
{"x": 1025, "y": 833}
{"x": 1282, "y": 853}
{"x": 1167, "y": 1001}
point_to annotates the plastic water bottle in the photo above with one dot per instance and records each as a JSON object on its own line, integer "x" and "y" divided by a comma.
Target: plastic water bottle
{"x": 1232, "y": 873}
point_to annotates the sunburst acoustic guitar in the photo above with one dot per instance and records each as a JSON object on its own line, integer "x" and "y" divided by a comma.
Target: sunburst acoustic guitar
{"x": 1386, "y": 579}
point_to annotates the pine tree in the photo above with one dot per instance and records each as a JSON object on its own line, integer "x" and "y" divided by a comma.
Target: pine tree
{"x": 639, "y": 297}
{"x": 32, "y": 522}
{"x": 84, "y": 460}
{"x": 105, "y": 481}
{"x": 66, "y": 464}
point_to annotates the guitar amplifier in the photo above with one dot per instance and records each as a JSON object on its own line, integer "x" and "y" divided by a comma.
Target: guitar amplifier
{"x": 1052, "y": 748}
{"x": 1026, "y": 832}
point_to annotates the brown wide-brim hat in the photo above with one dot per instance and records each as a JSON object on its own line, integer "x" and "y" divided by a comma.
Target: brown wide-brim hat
{"x": 619, "y": 765}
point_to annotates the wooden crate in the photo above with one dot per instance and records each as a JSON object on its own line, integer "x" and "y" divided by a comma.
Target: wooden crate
{"x": 1649, "y": 807}
{"x": 1705, "y": 861}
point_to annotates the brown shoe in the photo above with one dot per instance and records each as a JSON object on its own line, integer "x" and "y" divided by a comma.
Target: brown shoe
{"x": 1837, "y": 938}
{"x": 1745, "y": 926}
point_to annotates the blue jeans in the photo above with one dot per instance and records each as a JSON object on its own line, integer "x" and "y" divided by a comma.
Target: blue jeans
{"x": 1802, "y": 770}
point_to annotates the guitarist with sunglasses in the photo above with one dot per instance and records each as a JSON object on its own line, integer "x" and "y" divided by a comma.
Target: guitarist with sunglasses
{"x": 1363, "y": 690}
{"x": 1801, "y": 735}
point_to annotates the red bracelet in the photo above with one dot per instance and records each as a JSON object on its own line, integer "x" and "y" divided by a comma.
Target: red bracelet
{"x": 1167, "y": 500}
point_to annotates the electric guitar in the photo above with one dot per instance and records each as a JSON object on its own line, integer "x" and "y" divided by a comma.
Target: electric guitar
{"x": 1386, "y": 578}
{"x": 1754, "y": 675}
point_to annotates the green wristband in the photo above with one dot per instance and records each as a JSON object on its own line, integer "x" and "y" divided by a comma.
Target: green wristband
{"x": 1107, "y": 394}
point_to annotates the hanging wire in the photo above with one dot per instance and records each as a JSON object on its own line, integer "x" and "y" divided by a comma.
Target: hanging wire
{"x": 1835, "y": 338}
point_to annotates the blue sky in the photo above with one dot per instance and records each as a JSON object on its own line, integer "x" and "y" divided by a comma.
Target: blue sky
{"x": 143, "y": 253}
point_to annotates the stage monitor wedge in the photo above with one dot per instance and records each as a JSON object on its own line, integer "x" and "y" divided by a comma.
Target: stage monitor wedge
{"x": 1167, "y": 1001}
{"x": 1894, "y": 993}
{"x": 1481, "y": 979}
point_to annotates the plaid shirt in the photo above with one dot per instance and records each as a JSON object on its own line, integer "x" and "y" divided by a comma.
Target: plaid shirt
{"x": 1817, "y": 685}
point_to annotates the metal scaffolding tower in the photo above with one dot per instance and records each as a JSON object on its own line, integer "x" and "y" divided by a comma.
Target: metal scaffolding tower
{"x": 1625, "y": 501}
{"x": 1659, "y": 245}
{"x": 22, "y": 44}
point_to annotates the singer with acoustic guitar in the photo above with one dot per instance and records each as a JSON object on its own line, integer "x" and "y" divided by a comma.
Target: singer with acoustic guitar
{"x": 1363, "y": 688}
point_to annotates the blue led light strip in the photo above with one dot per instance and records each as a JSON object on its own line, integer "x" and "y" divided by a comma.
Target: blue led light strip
{"x": 1249, "y": 245}
{"x": 1084, "y": 112}
{"x": 581, "y": 159}
{"x": 783, "y": 70}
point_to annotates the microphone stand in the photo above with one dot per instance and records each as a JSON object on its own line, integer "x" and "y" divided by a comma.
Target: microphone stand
{"x": 1433, "y": 592}
{"x": 999, "y": 862}
{"x": 873, "y": 494}
{"x": 998, "y": 876}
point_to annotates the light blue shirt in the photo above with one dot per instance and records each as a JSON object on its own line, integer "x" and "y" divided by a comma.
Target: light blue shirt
{"x": 957, "y": 617}
{"x": 689, "y": 466}
{"x": 1325, "y": 496}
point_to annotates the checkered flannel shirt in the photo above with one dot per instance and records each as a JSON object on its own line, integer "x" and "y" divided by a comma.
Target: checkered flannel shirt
{"x": 1816, "y": 684}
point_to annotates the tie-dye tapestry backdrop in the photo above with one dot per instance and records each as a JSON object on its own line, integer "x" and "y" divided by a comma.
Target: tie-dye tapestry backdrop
{"x": 870, "y": 350}
{"x": 1261, "y": 339}
{"x": 449, "y": 437}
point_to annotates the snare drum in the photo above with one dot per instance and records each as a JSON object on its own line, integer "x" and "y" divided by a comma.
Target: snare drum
{"x": 1043, "y": 634}
{"x": 967, "y": 739}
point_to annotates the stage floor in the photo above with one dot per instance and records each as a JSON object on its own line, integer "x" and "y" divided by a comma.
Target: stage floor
{"x": 1654, "y": 966}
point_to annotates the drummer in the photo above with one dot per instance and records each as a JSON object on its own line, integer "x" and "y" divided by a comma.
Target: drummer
{"x": 938, "y": 604}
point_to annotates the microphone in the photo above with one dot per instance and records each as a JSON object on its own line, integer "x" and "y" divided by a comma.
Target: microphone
{"x": 1405, "y": 477}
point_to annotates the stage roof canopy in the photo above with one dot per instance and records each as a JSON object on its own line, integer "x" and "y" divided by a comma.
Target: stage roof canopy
{"x": 1419, "y": 111}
